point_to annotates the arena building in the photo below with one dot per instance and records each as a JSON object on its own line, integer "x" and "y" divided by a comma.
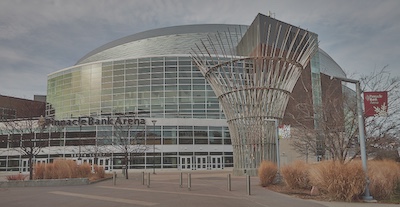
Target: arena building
{"x": 141, "y": 101}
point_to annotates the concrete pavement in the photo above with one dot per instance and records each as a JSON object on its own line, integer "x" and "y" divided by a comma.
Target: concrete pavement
{"x": 208, "y": 188}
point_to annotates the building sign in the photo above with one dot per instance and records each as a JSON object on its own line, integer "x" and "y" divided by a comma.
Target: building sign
{"x": 91, "y": 121}
{"x": 284, "y": 131}
{"x": 376, "y": 103}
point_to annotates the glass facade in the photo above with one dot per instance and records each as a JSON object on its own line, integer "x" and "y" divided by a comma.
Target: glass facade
{"x": 101, "y": 142}
{"x": 169, "y": 89}
{"x": 159, "y": 87}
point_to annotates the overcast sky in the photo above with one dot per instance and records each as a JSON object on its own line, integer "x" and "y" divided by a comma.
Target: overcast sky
{"x": 38, "y": 37}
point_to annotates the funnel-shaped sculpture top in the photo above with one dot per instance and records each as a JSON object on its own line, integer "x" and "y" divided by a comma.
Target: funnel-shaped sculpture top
{"x": 255, "y": 85}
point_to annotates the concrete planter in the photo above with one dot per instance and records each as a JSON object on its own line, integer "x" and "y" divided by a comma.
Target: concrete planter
{"x": 44, "y": 182}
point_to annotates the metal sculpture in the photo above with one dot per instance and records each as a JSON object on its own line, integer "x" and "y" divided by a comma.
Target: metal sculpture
{"x": 255, "y": 88}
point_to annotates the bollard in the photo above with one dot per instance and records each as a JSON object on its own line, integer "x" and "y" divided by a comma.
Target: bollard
{"x": 229, "y": 182}
{"x": 180, "y": 181}
{"x": 142, "y": 178}
{"x": 114, "y": 178}
{"x": 248, "y": 184}
{"x": 189, "y": 184}
{"x": 148, "y": 180}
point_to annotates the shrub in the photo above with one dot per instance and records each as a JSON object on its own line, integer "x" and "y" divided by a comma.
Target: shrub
{"x": 48, "y": 171}
{"x": 84, "y": 170}
{"x": 63, "y": 169}
{"x": 337, "y": 180}
{"x": 16, "y": 177}
{"x": 384, "y": 178}
{"x": 296, "y": 175}
{"x": 67, "y": 169}
{"x": 99, "y": 171}
{"x": 267, "y": 172}
{"x": 38, "y": 170}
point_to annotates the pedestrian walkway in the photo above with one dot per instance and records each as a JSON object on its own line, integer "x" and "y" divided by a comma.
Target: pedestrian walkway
{"x": 167, "y": 189}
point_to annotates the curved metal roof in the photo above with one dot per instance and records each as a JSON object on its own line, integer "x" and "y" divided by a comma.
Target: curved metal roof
{"x": 328, "y": 66}
{"x": 163, "y": 41}
{"x": 179, "y": 40}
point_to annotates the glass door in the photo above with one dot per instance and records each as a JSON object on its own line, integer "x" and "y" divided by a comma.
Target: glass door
{"x": 216, "y": 162}
{"x": 105, "y": 163}
{"x": 186, "y": 162}
{"x": 201, "y": 162}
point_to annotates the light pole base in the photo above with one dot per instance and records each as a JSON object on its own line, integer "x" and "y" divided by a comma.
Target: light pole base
{"x": 278, "y": 178}
{"x": 369, "y": 199}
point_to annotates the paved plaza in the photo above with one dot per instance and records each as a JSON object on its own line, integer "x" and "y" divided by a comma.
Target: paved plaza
{"x": 208, "y": 188}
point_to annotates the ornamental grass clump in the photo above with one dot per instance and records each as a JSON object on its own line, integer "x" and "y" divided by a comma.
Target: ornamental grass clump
{"x": 48, "y": 171}
{"x": 16, "y": 177}
{"x": 99, "y": 172}
{"x": 296, "y": 175}
{"x": 83, "y": 170}
{"x": 343, "y": 182}
{"x": 384, "y": 178}
{"x": 267, "y": 173}
{"x": 61, "y": 169}
{"x": 38, "y": 171}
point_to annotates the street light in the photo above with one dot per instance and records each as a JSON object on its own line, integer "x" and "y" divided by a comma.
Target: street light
{"x": 79, "y": 144}
{"x": 361, "y": 132}
{"x": 154, "y": 147}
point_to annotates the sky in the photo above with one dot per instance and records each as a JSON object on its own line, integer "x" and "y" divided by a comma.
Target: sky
{"x": 39, "y": 37}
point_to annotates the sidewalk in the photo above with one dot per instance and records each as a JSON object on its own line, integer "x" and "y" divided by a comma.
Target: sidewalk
{"x": 208, "y": 188}
{"x": 219, "y": 178}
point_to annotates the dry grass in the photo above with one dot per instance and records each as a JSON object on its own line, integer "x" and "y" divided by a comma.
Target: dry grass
{"x": 84, "y": 170}
{"x": 60, "y": 169}
{"x": 338, "y": 181}
{"x": 344, "y": 182}
{"x": 48, "y": 171}
{"x": 16, "y": 177}
{"x": 267, "y": 173}
{"x": 384, "y": 178}
{"x": 98, "y": 173}
{"x": 296, "y": 175}
{"x": 39, "y": 170}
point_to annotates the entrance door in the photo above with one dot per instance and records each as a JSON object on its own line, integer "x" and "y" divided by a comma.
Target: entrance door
{"x": 105, "y": 163}
{"x": 186, "y": 162}
{"x": 41, "y": 161}
{"x": 216, "y": 162}
{"x": 24, "y": 165}
{"x": 201, "y": 162}
{"x": 88, "y": 160}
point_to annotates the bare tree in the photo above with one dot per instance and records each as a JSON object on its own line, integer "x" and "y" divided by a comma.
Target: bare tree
{"x": 25, "y": 130}
{"x": 26, "y": 137}
{"x": 337, "y": 133}
{"x": 128, "y": 140}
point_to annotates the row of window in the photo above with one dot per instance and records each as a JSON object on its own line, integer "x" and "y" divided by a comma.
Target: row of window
{"x": 116, "y": 160}
{"x": 107, "y": 136}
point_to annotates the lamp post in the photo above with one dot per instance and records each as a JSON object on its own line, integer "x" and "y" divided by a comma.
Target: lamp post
{"x": 79, "y": 145}
{"x": 154, "y": 147}
{"x": 361, "y": 132}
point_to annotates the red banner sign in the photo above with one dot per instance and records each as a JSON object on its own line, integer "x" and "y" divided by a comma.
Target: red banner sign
{"x": 376, "y": 103}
